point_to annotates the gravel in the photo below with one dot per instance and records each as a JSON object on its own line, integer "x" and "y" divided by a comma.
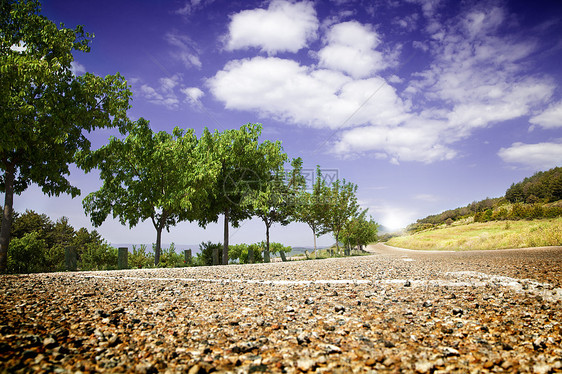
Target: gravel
{"x": 496, "y": 311}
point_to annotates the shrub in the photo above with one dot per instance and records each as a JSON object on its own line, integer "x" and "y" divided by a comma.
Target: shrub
{"x": 99, "y": 257}
{"x": 205, "y": 255}
{"x": 27, "y": 254}
{"x": 139, "y": 258}
{"x": 170, "y": 259}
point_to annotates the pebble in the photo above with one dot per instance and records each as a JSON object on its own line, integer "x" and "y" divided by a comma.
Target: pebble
{"x": 302, "y": 316}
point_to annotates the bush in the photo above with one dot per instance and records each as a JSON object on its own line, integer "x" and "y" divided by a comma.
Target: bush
{"x": 99, "y": 257}
{"x": 139, "y": 258}
{"x": 205, "y": 255}
{"x": 27, "y": 254}
{"x": 170, "y": 259}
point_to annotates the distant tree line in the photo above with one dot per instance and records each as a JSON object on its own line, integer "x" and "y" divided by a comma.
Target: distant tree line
{"x": 542, "y": 187}
{"x": 539, "y": 196}
{"x": 38, "y": 245}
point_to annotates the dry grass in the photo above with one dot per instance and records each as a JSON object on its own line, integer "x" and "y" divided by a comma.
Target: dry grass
{"x": 488, "y": 235}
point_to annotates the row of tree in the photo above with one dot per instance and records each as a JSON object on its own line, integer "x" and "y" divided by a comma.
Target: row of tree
{"x": 167, "y": 178}
{"x": 170, "y": 178}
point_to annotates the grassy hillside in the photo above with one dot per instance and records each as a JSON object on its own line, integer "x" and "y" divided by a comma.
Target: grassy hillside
{"x": 486, "y": 235}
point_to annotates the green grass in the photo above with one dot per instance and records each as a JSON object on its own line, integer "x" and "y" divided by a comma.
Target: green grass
{"x": 488, "y": 235}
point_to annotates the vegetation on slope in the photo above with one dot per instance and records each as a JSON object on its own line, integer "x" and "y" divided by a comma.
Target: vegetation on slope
{"x": 529, "y": 215}
{"x": 486, "y": 235}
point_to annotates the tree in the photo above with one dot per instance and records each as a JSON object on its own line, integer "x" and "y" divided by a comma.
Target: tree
{"x": 158, "y": 176}
{"x": 341, "y": 205}
{"x": 242, "y": 163}
{"x": 45, "y": 110}
{"x": 358, "y": 231}
{"x": 311, "y": 206}
{"x": 274, "y": 200}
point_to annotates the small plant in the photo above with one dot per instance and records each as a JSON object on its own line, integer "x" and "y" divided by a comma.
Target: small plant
{"x": 139, "y": 258}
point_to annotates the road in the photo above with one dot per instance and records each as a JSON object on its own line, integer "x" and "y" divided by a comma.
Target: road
{"x": 393, "y": 311}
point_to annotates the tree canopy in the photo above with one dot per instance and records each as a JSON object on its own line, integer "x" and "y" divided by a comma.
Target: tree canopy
{"x": 45, "y": 110}
{"x": 158, "y": 176}
{"x": 243, "y": 164}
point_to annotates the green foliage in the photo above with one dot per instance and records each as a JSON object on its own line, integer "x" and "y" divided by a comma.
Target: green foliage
{"x": 99, "y": 257}
{"x": 46, "y": 109}
{"x": 312, "y": 206}
{"x": 341, "y": 206}
{"x": 205, "y": 255}
{"x": 170, "y": 258}
{"x": 359, "y": 231}
{"x": 158, "y": 176}
{"x": 244, "y": 166}
{"x": 277, "y": 248}
{"x": 240, "y": 253}
{"x": 56, "y": 237}
{"x": 27, "y": 254}
{"x": 542, "y": 187}
{"x": 139, "y": 258}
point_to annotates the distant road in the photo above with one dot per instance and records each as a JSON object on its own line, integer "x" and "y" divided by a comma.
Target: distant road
{"x": 542, "y": 263}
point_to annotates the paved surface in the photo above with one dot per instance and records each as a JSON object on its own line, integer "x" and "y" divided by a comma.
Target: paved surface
{"x": 394, "y": 311}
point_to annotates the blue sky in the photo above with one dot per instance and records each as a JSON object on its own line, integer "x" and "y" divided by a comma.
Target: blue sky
{"x": 425, "y": 105}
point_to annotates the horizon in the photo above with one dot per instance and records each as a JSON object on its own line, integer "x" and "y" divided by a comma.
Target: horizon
{"x": 426, "y": 106}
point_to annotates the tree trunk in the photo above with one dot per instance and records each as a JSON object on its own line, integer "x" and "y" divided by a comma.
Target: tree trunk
{"x": 314, "y": 233}
{"x": 266, "y": 257}
{"x": 6, "y": 228}
{"x": 158, "y": 249}
{"x": 225, "y": 248}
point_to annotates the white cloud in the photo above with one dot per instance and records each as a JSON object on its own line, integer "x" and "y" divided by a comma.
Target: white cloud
{"x": 551, "y": 118}
{"x": 77, "y": 68}
{"x": 540, "y": 156}
{"x": 427, "y": 198}
{"x": 193, "y": 95}
{"x": 164, "y": 94}
{"x": 421, "y": 142}
{"x": 477, "y": 77}
{"x": 192, "y": 6}
{"x": 351, "y": 49}
{"x": 301, "y": 95}
{"x": 185, "y": 50}
{"x": 20, "y": 47}
{"x": 284, "y": 26}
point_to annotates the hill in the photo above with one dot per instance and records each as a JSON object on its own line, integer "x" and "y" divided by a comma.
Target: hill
{"x": 536, "y": 197}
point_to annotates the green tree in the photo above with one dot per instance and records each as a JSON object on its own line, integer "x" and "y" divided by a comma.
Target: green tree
{"x": 149, "y": 175}
{"x": 242, "y": 163}
{"x": 27, "y": 254}
{"x": 341, "y": 204}
{"x": 311, "y": 205}
{"x": 30, "y": 222}
{"x": 358, "y": 231}
{"x": 274, "y": 200}
{"x": 45, "y": 110}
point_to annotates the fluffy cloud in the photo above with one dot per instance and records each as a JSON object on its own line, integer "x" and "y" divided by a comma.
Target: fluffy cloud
{"x": 283, "y": 26}
{"x": 193, "y": 95}
{"x": 421, "y": 142}
{"x": 301, "y": 95}
{"x": 351, "y": 49}
{"x": 77, "y": 68}
{"x": 551, "y": 118}
{"x": 476, "y": 77}
{"x": 540, "y": 156}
